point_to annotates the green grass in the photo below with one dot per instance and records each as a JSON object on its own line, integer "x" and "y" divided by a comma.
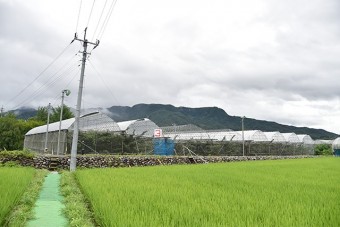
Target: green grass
{"x": 23, "y": 211}
{"x": 14, "y": 182}
{"x": 76, "y": 208}
{"x": 303, "y": 192}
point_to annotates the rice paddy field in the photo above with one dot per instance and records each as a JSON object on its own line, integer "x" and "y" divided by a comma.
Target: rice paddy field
{"x": 302, "y": 192}
{"x": 13, "y": 183}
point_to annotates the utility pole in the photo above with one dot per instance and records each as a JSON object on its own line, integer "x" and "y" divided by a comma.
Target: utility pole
{"x": 2, "y": 110}
{"x": 73, "y": 161}
{"x": 67, "y": 92}
{"x": 243, "y": 135}
{"x": 48, "y": 122}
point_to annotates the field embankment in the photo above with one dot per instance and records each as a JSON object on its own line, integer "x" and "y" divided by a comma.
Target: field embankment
{"x": 13, "y": 183}
{"x": 302, "y": 192}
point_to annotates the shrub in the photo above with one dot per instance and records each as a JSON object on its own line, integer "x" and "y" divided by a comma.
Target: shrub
{"x": 17, "y": 154}
{"x": 323, "y": 149}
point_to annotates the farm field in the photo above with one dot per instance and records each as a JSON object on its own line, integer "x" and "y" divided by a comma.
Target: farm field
{"x": 303, "y": 192}
{"x": 13, "y": 182}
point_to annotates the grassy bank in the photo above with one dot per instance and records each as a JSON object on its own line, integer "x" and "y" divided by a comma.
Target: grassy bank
{"x": 14, "y": 182}
{"x": 304, "y": 192}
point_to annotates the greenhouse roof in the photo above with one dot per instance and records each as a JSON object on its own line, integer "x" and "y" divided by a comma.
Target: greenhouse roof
{"x": 65, "y": 125}
{"x": 254, "y": 135}
{"x": 275, "y": 137}
{"x": 94, "y": 121}
{"x": 291, "y": 137}
{"x": 181, "y": 128}
{"x": 306, "y": 139}
{"x": 140, "y": 127}
{"x": 336, "y": 143}
{"x": 323, "y": 141}
{"x": 124, "y": 125}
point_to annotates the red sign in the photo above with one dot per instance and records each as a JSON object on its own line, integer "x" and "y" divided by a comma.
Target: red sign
{"x": 158, "y": 133}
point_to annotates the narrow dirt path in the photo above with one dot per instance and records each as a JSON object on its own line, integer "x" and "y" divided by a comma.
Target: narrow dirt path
{"x": 48, "y": 207}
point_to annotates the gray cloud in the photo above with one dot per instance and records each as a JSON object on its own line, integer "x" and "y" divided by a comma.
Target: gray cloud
{"x": 274, "y": 60}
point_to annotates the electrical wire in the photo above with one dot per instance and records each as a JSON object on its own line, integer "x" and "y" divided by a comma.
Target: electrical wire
{"x": 81, "y": 1}
{"x": 107, "y": 18}
{"x": 48, "y": 83}
{"x": 58, "y": 97}
{"x": 100, "y": 18}
{"x": 105, "y": 84}
{"x": 41, "y": 89}
{"x": 88, "y": 21}
{"x": 39, "y": 75}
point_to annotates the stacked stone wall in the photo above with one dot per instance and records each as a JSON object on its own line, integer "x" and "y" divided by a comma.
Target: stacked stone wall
{"x": 108, "y": 161}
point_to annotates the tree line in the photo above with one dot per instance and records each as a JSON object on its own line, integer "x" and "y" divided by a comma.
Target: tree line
{"x": 13, "y": 130}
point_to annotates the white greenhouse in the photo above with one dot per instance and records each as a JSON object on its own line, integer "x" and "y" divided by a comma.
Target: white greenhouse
{"x": 291, "y": 137}
{"x": 36, "y": 137}
{"x": 254, "y": 136}
{"x": 305, "y": 139}
{"x": 275, "y": 137}
{"x": 140, "y": 127}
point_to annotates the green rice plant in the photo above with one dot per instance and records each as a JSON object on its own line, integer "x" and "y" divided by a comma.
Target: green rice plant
{"x": 76, "y": 208}
{"x": 303, "y": 192}
{"x": 23, "y": 211}
{"x": 13, "y": 183}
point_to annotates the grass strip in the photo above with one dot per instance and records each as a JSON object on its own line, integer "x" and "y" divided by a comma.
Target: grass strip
{"x": 76, "y": 207}
{"x": 23, "y": 211}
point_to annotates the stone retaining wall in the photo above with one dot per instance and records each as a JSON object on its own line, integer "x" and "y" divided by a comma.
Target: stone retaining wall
{"x": 103, "y": 161}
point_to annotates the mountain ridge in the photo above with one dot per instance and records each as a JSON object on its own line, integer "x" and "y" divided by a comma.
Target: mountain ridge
{"x": 208, "y": 118}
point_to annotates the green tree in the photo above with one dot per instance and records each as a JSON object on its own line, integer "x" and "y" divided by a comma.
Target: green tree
{"x": 323, "y": 149}
{"x": 55, "y": 115}
{"x": 41, "y": 114}
{"x": 12, "y": 131}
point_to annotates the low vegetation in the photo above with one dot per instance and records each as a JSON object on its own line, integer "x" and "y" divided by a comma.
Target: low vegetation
{"x": 17, "y": 154}
{"x": 302, "y": 192}
{"x": 23, "y": 211}
{"x": 323, "y": 149}
{"x": 76, "y": 208}
{"x": 14, "y": 182}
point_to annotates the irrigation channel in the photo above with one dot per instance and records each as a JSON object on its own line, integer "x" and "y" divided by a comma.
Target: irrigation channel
{"x": 48, "y": 207}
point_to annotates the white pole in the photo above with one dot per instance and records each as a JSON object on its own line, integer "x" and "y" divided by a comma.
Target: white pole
{"x": 243, "y": 135}
{"x": 73, "y": 161}
{"x": 61, "y": 118}
{"x": 48, "y": 122}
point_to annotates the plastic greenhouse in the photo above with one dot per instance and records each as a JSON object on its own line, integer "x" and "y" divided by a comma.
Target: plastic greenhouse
{"x": 254, "y": 135}
{"x": 141, "y": 127}
{"x": 291, "y": 137}
{"x": 275, "y": 137}
{"x": 35, "y": 138}
{"x": 305, "y": 139}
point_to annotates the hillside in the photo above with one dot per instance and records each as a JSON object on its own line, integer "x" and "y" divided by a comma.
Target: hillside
{"x": 206, "y": 118}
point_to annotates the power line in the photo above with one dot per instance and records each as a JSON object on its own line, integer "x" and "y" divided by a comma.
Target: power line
{"x": 100, "y": 18}
{"x": 105, "y": 84}
{"x": 57, "y": 98}
{"x": 39, "y": 75}
{"x": 41, "y": 89}
{"x": 81, "y": 1}
{"x": 107, "y": 18}
{"x": 88, "y": 21}
{"x": 49, "y": 83}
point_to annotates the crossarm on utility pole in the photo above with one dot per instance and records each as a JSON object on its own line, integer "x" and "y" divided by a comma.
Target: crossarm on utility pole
{"x": 73, "y": 161}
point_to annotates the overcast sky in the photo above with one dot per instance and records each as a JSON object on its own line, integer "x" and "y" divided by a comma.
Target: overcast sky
{"x": 274, "y": 60}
